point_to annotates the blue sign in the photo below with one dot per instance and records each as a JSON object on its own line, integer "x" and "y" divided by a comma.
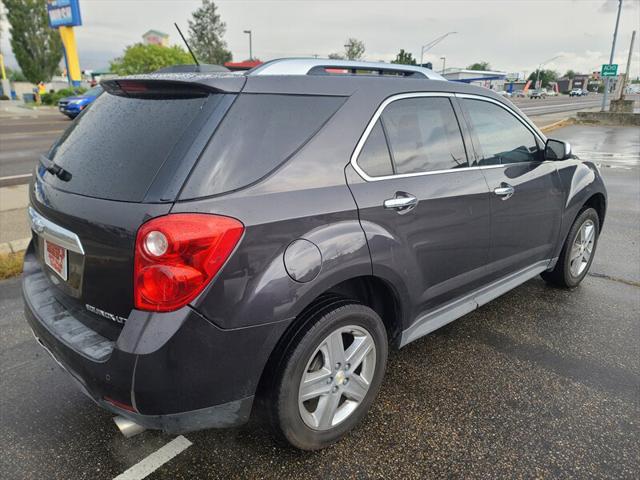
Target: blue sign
{"x": 64, "y": 13}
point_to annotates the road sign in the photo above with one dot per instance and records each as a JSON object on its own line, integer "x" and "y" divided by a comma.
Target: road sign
{"x": 610, "y": 70}
{"x": 64, "y": 13}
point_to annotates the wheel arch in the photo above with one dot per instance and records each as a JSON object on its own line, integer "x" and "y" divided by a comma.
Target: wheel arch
{"x": 369, "y": 290}
{"x": 598, "y": 202}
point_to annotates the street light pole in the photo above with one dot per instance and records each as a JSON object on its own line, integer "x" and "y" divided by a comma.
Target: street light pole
{"x": 250, "y": 46}
{"x": 613, "y": 49}
{"x": 540, "y": 68}
{"x": 431, "y": 44}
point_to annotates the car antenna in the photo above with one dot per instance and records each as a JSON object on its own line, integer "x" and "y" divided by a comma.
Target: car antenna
{"x": 187, "y": 44}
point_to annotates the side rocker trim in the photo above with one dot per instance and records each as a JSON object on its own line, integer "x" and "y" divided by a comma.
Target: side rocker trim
{"x": 435, "y": 319}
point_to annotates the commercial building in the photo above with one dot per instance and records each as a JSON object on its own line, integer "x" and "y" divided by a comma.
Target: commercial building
{"x": 493, "y": 80}
{"x": 155, "y": 37}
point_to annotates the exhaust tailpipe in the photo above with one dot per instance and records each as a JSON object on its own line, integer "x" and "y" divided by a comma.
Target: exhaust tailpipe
{"x": 128, "y": 427}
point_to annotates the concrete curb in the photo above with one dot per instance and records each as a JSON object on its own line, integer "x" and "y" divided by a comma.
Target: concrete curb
{"x": 12, "y": 180}
{"x": 14, "y": 246}
{"x": 554, "y": 125}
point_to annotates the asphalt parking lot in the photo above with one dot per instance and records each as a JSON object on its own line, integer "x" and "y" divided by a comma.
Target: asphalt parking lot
{"x": 539, "y": 383}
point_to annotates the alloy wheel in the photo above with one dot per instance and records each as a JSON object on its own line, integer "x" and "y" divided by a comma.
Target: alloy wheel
{"x": 582, "y": 248}
{"x": 337, "y": 377}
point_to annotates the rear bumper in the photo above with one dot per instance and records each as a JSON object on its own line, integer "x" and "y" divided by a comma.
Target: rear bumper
{"x": 178, "y": 372}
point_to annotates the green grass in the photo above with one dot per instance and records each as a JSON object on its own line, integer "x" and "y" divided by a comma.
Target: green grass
{"x": 11, "y": 265}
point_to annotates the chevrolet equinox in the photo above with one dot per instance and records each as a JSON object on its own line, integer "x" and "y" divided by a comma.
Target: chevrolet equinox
{"x": 209, "y": 244}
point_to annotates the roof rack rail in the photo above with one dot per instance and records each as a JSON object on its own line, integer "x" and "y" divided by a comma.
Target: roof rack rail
{"x": 322, "y": 66}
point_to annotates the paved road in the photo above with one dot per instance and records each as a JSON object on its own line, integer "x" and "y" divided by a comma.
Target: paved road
{"x": 539, "y": 383}
{"x": 24, "y": 139}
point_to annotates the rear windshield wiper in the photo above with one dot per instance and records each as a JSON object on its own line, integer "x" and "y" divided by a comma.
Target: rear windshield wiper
{"x": 54, "y": 169}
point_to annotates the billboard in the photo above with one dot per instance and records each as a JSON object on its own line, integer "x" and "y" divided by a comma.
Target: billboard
{"x": 64, "y": 13}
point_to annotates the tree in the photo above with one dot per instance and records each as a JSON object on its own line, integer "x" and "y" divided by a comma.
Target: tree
{"x": 570, "y": 74}
{"x": 36, "y": 46}
{"x": 480, "y": 66}
{"x": 354, "y": 49}
{"x": 141, "y": 58}
{"x": 404, "y": 58}
{"x": 205, "y": 35}
{"x": 336, "y": 56}
{"x": 546, "y": 77}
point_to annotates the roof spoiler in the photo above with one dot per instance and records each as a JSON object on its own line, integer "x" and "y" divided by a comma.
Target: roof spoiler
{"x": 147, "y": 88}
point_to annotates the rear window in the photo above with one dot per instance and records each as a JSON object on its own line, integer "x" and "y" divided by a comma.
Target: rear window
{"x": 259, "y": 133}
{"x": 115, "y": 148}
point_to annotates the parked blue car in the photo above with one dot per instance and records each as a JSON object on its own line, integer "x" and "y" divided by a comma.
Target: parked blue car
{"x": 72, "y": 106}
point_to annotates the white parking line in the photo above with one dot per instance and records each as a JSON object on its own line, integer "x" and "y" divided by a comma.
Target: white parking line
{"x": 154, "y": 461}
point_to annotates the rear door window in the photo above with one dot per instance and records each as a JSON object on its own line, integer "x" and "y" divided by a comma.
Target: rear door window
{"x": 423, "y": 135}
{"x": 374, "y": 158}
{"x": 115, "y": 148}
{"x": 259, "y": 133}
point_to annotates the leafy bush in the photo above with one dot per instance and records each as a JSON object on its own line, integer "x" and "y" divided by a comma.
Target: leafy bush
{"x": 141, "y": 58}
{"x": 54, "y": 98}
{"x": 4, "y": 97}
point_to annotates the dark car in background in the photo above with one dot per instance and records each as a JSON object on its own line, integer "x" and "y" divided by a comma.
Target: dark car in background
{"x": 73, "y": 106}
{"x": 209, "y": 244}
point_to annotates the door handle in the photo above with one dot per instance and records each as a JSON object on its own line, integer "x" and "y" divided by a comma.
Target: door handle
{"x": 402, "y": 202}
{"x": 506, "y": 191}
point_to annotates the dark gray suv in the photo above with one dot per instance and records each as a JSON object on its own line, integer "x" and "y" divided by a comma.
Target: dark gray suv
{"x": 208, "y": 245}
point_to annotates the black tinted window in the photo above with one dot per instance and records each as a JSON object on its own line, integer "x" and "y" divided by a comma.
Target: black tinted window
{"x": 258, "y": 133}
{"x": 374, "y": 157}
{"x": 502, "y": 138}
{"x": 423, "y": 135}
{"x": 115, "y": 148}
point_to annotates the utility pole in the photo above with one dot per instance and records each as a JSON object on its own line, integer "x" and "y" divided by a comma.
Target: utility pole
{"x": 613, "y": 50}
{"x": 626, "y": 76}
{"x": 444, "y": 62}
{"x": 250, "y": 46}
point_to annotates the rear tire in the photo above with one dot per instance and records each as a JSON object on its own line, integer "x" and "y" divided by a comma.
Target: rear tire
{"x": 329, "y": 376}
{"x": 577, "y": 252}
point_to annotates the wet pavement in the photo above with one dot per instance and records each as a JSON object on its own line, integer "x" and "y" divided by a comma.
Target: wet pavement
{"x": 541, "y": 383}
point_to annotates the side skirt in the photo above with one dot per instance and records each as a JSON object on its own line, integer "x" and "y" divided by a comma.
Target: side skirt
{"x": 435, "y": 319}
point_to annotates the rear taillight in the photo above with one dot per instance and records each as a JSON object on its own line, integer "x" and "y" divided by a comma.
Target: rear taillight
{"x": 177, "y": 256}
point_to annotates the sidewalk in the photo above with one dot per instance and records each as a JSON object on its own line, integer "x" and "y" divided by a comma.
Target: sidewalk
{"x": 14, "y": 226}
{"x": 13, "y": 108}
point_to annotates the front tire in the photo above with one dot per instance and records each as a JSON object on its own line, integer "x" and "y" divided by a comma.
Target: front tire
{"x": 330, "y": 376}
{"x": 578, "y": 251}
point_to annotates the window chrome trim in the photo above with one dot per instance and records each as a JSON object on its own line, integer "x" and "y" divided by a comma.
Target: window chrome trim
{"x": 371, "y": 124}
{"x": 402, "y": 96}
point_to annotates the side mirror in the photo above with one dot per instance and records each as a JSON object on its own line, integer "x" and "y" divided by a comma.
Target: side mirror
{"x": 557, "y": 150}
